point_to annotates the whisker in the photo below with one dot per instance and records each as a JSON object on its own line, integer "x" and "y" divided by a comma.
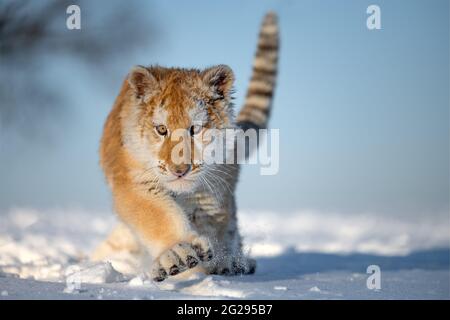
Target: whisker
{"x": 205, "y": 181}
{"x": 221, "y": 171}
{"x": 217, "y": 192}
{"x": 220, "y": 180}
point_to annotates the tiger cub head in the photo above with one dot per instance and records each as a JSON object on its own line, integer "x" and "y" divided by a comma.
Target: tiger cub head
{"x": 168, "y": 111}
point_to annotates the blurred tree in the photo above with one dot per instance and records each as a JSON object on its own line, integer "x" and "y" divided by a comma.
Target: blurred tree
{"x": 33, "y": 31}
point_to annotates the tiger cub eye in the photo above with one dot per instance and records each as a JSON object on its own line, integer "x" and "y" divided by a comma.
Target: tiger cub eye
{"x": 161, "y": 129}
{"x": 193, "y": 130}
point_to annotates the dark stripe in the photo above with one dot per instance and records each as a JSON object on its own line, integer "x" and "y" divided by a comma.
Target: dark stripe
{"x": 153, "y": 189}
{"x": 260, "y": 92}
{"x": 180, "y": 262}
{"x": 245, "y": 125}
{"x": 264, "y": 49}
{"x": 268, "y": 46}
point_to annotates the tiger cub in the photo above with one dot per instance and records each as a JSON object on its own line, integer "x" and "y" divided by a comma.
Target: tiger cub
{"x": 182, "y": 214}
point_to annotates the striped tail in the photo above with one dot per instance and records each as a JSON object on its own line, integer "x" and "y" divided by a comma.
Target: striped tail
{"x": 256, "y": 110}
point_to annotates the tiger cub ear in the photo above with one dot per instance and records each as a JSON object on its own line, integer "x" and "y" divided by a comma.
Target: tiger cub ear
{"x": 142, "y": 82}
{"x": 220, "y": 79}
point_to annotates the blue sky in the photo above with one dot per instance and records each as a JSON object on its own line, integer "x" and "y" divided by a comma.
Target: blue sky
{"x": 363, "y": 115}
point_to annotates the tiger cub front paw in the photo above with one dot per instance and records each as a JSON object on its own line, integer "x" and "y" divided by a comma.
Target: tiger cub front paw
{"x": 181, "y": 257}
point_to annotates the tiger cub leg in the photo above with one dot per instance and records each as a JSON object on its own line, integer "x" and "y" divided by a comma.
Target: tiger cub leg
{"x": 165, "y": 232}
{"x": 120, "y": 239}
{"x": 229, "y": 259}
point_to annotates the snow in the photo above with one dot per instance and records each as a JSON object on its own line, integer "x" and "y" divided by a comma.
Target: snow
{"x": 304, "y": 255}
{"x": 314, "y": 289}
{"x": 93, "y": 273}
{"x": 280, "y": 288}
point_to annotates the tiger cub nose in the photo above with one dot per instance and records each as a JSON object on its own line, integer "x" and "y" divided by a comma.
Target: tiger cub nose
{"x": 180, "y": 170}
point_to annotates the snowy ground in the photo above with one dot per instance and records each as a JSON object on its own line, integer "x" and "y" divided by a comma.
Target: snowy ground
{"x": 306, "y": 255}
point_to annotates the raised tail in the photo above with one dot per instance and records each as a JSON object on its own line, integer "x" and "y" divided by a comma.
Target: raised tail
{"x": 258, "y": 102}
